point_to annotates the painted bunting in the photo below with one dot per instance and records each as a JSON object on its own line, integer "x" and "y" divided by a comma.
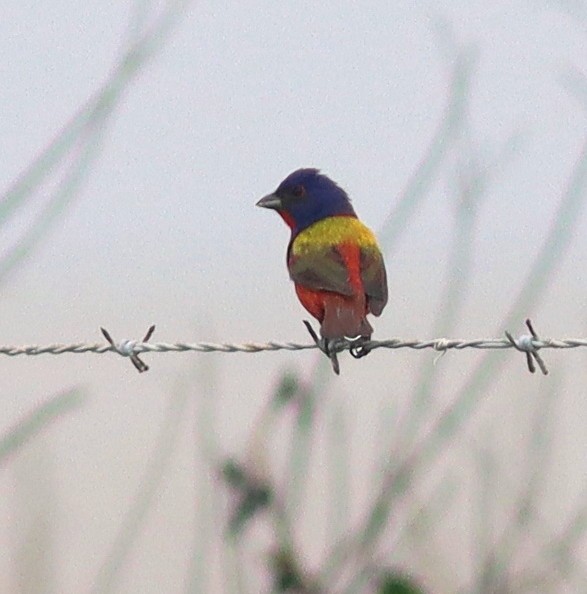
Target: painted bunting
{"x": 333, "y": 259}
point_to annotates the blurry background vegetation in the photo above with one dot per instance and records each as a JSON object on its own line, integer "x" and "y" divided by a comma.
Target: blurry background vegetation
{"x": 461, "y": 134}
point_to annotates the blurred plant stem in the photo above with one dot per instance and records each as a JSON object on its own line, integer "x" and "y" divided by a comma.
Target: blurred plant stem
{"x": 145, "y": 494}
{"x": 497, "y": 557}
{"x": 80, "y": 140}
{"x": 33, "y": 541}
{"x": 39, "y": 419}
{"x": 35, "y": 520}
{"x": 473, "y": 180}
{"x": 300, "y": 447}
{"x": 555, "y": 558}
{"x": 426, "y": 172}
{"x": 339, "y": 481}
{"x": 418, "y": 529}
{"x": 460, "y": 261}
{"x": 207, "y": 514}
{"x": 255, "y": 489}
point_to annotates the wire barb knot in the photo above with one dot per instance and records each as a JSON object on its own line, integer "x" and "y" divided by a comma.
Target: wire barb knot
{"x": 441, "y": 345}
{"x": 330, "y": 348}
{"x": 527, "y": 344}
{"x": 128, "y": 348}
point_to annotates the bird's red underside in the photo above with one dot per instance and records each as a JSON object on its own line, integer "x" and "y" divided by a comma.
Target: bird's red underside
{"x": 353, "y": 308}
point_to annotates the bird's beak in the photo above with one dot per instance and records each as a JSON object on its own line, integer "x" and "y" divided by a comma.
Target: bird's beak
{"x": 270, "y": 201}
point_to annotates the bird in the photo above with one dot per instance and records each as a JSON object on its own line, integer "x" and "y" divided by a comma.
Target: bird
{"x": 333, "y": 259}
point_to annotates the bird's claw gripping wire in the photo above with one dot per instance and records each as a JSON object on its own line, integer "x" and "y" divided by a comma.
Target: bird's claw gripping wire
{"x": 126, "y": 348}
{"x": 359, "y": 347}
{"x": 527, "y": 344}
{"x": 330, "y": 347}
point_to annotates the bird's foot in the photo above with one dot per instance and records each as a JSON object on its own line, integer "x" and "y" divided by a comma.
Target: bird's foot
{"x": 329, "y": 347}
{"x": 359, "y": 347}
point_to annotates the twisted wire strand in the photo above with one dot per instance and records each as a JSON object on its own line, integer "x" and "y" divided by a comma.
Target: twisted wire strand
{"x": 437, "y": 344}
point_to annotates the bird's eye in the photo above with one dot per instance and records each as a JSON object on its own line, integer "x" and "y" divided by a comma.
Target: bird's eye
{"x": 298, "y": 191}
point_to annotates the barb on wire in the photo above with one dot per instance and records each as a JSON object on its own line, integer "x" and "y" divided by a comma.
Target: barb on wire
{"x": 126, "y": 348}
{"x": 529, "y": 344}
{"x": 329, "y": 347}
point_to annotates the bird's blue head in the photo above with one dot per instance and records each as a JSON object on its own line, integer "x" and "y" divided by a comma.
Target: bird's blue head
{"x": 307, "y": 196}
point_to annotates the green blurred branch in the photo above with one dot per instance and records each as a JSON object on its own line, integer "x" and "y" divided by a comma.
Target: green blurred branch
{"x": 37, "y": 421}
{"x": 80, "y": 140}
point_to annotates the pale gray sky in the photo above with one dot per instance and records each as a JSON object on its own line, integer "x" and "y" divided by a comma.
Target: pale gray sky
{"x": 165, "y": 230}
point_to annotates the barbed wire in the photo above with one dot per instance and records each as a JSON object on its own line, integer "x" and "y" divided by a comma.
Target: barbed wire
{"x": 437, "y": 344}
{"x": 529, "y": 344}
